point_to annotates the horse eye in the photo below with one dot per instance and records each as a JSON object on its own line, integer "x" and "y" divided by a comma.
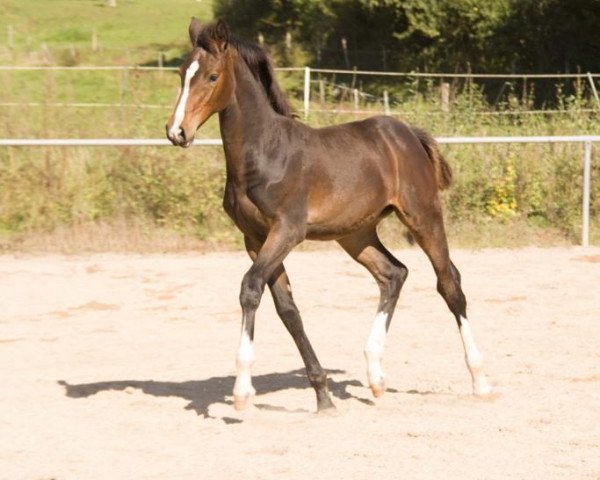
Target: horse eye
{"x": 213, "y": 77}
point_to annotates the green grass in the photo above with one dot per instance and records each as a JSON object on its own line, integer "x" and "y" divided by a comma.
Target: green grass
{"x": 145, "y": 25}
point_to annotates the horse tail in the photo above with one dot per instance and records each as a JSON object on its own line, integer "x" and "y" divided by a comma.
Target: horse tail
{"x": 443, "y": 172}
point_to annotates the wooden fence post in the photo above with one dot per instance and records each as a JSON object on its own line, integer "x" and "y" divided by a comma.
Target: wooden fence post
{"x": 322, "y": 91}
{"x": 445, "y": 96}
{"x": 46, "y": 54}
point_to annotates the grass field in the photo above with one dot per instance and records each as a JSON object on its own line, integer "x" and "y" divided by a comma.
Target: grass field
{"x": 75, "y": 198}
{"x": 128, "y": 32}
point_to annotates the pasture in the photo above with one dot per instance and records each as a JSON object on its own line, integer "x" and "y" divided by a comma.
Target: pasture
{"x": 121, "y": 366}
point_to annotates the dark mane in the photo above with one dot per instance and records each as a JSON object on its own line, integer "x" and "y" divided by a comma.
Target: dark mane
{"x": 259, "y": 63}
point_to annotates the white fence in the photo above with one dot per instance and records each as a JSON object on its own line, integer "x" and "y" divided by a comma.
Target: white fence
{"x": 587, "y": 141}
{"x": 308, "y": 71}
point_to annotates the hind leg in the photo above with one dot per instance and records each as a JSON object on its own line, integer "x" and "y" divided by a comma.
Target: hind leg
{"x": 390, "y": 275}
{"x": 429, "y": 232}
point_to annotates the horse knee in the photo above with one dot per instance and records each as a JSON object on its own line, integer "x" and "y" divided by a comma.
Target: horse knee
{"x": 400, "y": 275}
{"x": 251, "y": 292}
{"x": 394, "y": 278}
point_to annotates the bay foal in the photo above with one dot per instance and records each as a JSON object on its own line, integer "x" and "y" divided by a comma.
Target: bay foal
{"x": 287, "y": 182}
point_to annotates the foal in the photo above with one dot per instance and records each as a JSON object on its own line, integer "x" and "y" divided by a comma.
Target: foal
{"x": 287, "y": 182}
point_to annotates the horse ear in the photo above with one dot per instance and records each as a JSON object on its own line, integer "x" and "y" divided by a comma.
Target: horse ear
{"x": 221, "y": 34}
{"x": 194, "y": 30}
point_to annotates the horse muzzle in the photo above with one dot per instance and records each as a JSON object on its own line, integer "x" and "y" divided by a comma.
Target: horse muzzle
{"x": 178, "y": 137}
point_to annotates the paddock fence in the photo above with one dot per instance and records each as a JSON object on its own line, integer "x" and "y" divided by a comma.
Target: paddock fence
{"x": 586, "y": 140}
{"x": 343, "y": 86}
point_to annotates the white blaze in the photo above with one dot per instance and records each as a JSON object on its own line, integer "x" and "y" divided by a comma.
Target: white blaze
{"x": 473, "y": 359}
{"x": 374, "y": 349}
{"x": 180, "y": 110}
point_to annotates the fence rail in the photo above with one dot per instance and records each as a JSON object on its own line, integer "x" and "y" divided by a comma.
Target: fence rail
{"x": 309, "y": 71}
{"x": 315, "y": 70}
{"x": 587, "y": 141}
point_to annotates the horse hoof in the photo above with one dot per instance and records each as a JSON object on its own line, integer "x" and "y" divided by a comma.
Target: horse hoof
{"x": 482, "y": 391}
{"x": 378, "y": 389}
{"x": 328, "y": 412}
{"x": 326, "y": 407}
{"x": 482, "y": 388}
{"x": 241, "y": 402}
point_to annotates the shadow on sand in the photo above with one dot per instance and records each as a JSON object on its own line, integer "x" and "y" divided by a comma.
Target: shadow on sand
{"x": 203, "y": 393}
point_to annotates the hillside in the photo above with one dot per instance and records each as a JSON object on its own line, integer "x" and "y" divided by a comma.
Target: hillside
{"x": 135, "y": 28}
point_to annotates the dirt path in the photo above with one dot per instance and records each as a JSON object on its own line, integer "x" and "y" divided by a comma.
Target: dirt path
{"x": 121, "y": 367}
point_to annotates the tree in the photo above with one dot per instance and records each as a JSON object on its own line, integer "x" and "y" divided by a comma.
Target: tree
{"x": 442, "y": 35}
{"x": 551, "y": 35}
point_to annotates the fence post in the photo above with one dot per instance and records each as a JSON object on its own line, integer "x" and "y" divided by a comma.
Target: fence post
{"x": 445, "y": 97}
{"x": 306, "y": 91}
{"x": 386, "y": 102}
{"x": 587, "y": 167}
{"x": 46, "y": 54}
{"x": 593, "y": 85}
{"x": 322, "y": 91}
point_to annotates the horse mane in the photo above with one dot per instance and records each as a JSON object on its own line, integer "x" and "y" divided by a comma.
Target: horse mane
{"x": 258, "y": 62}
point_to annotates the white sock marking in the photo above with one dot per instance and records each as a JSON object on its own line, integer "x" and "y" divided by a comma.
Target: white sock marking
{"x": 180, "y": 110}
{"x": 473, "y": 359}
{"x": 244, "y": 360}
{"x": 374, "y": 349}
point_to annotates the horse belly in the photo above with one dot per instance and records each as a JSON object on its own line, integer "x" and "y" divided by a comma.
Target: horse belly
{"x": 338, "y": 217}
{"x": 349, "y": 195}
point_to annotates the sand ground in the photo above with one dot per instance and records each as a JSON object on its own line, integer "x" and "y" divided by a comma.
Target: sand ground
{"x": 121, "y": 367}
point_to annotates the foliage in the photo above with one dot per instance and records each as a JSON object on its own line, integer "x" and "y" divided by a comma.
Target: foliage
{"x": 550, "y": 35}
{"x": 434, "y": 35}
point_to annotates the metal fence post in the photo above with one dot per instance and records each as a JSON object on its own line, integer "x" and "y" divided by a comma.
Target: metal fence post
{"x": 587, "y": 167}
{"x": 306, "y": 91}
{"x": 593, "y": 85}
{"x": 386, "y": 102}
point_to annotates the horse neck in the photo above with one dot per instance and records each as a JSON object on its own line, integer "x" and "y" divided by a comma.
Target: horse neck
{"x": 246, "y": 119}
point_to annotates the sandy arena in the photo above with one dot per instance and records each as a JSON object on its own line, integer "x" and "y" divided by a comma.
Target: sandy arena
{"x": 122, "y": 366}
